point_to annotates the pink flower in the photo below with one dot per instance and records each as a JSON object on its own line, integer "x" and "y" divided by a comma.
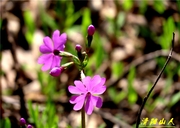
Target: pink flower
{"x": 22, "y": 121}
{"x": 91, "y": 30}
{"x": 50, "y": 50}
{"x": 56, "y": 71}
{"x": 29, "y": 126}
{"x": 78, "y": 48}
{"x": 85, "y": 91}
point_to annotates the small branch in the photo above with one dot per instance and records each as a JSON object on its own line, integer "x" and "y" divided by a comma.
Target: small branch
{"x": 111, "y": 118}
{"x": 145, "y": 99}
{"x": 83, "y": 124}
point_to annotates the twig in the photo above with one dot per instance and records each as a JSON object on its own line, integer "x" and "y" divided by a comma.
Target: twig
{"x": 145, "y": 99}
{"x": 111, "y": 118}
{"x": 139, "y": 61}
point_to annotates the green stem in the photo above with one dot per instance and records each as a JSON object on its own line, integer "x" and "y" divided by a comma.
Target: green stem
{"x": 83, "y": 117}
{"x": 82, "y": 110}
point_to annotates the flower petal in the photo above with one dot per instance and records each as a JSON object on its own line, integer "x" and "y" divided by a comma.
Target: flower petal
{"x": 97, "y": 101}
{"x": 63, "y": 39}
{"x": 47, "y": 63}
{"x": 89, "y": 105}
{"x": 47, "y": 47}
{"x": 44, "y": 49}
{"x": 74, "y": 90}
{"x": 73, "y": 99}
{"x": 59, "y": 40}
{"x": 79, "y": 102}
{"x": 80, "y": 86}
{"x": 86, "y": 81}
{"x": 98, "y": 90}
{"x": 94, "y": 81}
{"x": 55, "y": 37}
{"x": 56, "y": 61}
{"x": 103, "y": 80}
{"x": 43, "y": 58}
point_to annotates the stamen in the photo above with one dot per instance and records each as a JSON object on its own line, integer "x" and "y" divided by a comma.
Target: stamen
{"x": 56, "y": 52}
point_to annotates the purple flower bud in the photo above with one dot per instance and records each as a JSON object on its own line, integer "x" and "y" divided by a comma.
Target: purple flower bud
{"x": 22, "y": 121}
{"x": 56, "y": 71}
{"x": 91, "y": 30}
{"x": 78, "y": 48}
{"x": 29, "y": 126}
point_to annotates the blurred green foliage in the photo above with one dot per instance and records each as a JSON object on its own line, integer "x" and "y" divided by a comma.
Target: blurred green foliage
{"x": 159, "y": 6}
{"x": 166, "y": 37}
{"x": 0, "y": 23}
{"x": 30, "y": 26}
{"x": 117, "y": 69}
{"x": 65, "y": 21}
{"x": 127, "y": 4}
{"x": 5, "y": 123}
{"x": 69, "y": 17}
{"x": 47, "y": 119}
{"x": 116, "y": 96}
{"x": 132, "y": 95}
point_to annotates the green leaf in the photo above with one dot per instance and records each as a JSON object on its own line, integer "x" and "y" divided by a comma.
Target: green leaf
{"x": 29, "y": 21}
{"x": 117, "y": 69}
{"x": 7, "y": 123}
{"x": 175, "y": 98}
{"x": 1, "y": 24}
{"x": 71, "y": 16}
{"x": 102, "y": 125}
{"x": 132, "y": 95}
{"x": 120, "y": 96}
{"x": 178, "y": 72}
{"x": 30, "y": 26}
{"x": 47, "y": 20}
{"x": 116, "y": 97}
{"x": 127, "y": 4}
{"x": 168, "y": 84}
{"x": 99, "y": 50}
{"x": 159, "y": 6}
{"x": 143, "y": 6}
{"x": 31, "y": 112}
{"x": 111, "y": 27}
{"x": 86, "y": 21}
{"x": 112, "y": 93}
{"x": 29, "y": 37}
{"x": 120, "y": 20}
{"x": 168, "y": 29}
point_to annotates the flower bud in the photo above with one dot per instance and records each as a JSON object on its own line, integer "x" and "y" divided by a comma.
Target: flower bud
{"x": 29, "y": 126}
{"x": 56, "y": 71}
{"x": 91, "y": 30}
{"x": 65, "y": 54}
{"x": 78, "y": 48}
{"x": 22, "y": 121}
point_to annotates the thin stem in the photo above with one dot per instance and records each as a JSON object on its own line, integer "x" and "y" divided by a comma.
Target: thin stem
{"x": 83, "y": 117}
{"x": 145, "y": 99}
{"x": 83, "y": 120}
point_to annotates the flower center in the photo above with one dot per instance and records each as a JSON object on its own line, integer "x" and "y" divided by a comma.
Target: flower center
{"x": 88, "y": 93}
{"x": 56, "y": 52}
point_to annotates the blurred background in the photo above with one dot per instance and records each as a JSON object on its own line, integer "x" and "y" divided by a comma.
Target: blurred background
{"x": 129, "y": 48}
